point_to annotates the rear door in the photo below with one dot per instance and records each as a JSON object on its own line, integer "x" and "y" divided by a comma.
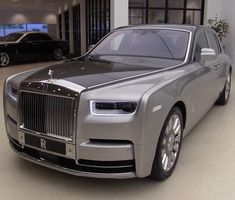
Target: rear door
{"x": 42, "y": 44}
{"x": 205, "y": 91}
{"x": 219, "y": 63}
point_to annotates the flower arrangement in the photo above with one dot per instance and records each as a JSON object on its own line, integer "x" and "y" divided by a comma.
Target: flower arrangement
{"x": 221, "y": 26}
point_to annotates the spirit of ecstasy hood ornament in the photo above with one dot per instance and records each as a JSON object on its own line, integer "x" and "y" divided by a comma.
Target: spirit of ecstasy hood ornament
{"x": 50, "y": 73}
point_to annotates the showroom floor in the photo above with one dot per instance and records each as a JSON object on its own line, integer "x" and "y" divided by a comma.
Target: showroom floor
{"x": 206, "y": 168}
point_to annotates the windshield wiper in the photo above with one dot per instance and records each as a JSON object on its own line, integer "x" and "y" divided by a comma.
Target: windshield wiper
{"x": 96, "y": 59}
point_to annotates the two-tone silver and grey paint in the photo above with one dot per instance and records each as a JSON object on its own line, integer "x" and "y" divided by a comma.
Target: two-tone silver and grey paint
{"x": 191, "y": 86}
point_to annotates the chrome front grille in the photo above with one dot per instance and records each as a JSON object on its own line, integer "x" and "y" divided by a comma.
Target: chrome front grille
{"x": 50, "y": 115}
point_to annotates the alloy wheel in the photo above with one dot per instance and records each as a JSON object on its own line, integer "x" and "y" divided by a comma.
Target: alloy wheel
{"x": 171, "y": 143}
{"x": 58, "y": 54}
{"x": 4, "y": 59}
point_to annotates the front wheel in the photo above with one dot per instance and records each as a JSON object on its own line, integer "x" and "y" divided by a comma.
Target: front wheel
{"x": 58, "y": 54}
{"x": 4, "y": 59}
{"x": 224, "y": 97}
{"x": 169, "y": 145}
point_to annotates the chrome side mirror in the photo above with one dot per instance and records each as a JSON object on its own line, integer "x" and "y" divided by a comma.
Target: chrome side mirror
{"x": 208, "y": 54}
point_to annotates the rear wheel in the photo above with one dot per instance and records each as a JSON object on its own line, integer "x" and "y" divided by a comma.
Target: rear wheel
{"x": 223, "y": 99}
{"x": 169, "y": 146}
{"x": 58, "y": 54}
{"x": 4, "y": 59}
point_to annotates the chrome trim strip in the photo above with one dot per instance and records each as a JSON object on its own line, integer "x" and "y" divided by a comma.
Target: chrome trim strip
{"x": 43, "y": 135}
{"x": 66, "y": 84}
{"x": 47, "y": 94}
{"x": 156, "y": 71}
{"x": 106, "y": 167}
{"x": 74, "y": 172}
{"x": 105, "y": 146}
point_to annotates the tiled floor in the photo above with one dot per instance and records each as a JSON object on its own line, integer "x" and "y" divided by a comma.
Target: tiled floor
{"x": 206, "y": 168}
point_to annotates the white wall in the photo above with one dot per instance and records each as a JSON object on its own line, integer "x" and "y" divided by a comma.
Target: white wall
{"x": 225, "y": 10}
{"x": 23, "y": 17}
{"x": 119, "y": 11}
{"x": 229, "y": 42}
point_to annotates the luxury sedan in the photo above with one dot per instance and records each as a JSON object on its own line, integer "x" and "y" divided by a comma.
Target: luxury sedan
{"x": 29, "y": 46}
{"x": 121, "y": 110}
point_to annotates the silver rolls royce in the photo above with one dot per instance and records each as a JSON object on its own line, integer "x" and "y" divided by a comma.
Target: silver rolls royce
{"x": 121, "y": 110}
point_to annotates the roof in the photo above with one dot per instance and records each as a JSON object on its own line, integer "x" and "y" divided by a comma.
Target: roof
{"x": 28, "y": 32}
{"x": 157, "y": 26}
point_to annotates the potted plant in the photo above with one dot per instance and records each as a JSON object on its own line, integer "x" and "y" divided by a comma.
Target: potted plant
{"x": 221, "y": 26}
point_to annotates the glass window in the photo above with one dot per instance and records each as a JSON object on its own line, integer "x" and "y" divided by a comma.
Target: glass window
{"x": 177, "y": 11}
{"x": 166, "y": 44}
{"x": 156, "y": 16}
{"x": 212, "y": 42}
{"x": 201, "y": 43}
{"x": 98, "y": 20}
{"x": 37, "y": 37}
{"x": 37, "y": 27}
{"x": 176, "y": 3}
{"x": 137, "y": 3}
{"x": 157, "y": 3}
{"x": 194, "y": 4}
{"x": 137, "y": 16}
{"x": 175, "y": 16}
{"x": 12, "y": 28}
{"x": 193, "y": 17}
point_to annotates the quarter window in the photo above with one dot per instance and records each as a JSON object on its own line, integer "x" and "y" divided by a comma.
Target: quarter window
{"x": 201, "y": 43}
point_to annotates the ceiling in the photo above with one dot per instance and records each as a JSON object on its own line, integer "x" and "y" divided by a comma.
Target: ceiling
{"x": 37, "y": 5}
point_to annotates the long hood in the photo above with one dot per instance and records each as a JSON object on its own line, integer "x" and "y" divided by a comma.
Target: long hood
{"x": 92, "y": 73}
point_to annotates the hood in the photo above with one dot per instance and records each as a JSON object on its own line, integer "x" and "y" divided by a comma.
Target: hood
{"x": 89, "y": 73}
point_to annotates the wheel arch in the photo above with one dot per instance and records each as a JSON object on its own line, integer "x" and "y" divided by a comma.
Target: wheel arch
{"x": 182, "y": 107}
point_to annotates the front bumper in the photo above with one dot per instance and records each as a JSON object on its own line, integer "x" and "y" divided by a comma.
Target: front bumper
{"x": 69, "y": 166}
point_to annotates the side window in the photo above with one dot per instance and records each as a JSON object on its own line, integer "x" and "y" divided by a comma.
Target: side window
{"x": 212, "y": 42}
{"x": 218, "y": 42}
{"x": 37, "y": 37}
{"x": 201, "y": 42}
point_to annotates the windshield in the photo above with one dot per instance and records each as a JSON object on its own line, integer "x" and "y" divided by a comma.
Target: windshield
{"x": 166, "y": 44}
{"x": 12, "y": 37}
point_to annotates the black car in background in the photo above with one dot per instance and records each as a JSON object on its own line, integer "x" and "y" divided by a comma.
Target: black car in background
{"x": 29, "y": 46}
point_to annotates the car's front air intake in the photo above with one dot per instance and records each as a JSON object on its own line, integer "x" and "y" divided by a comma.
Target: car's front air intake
{"x": 50, "y": 115}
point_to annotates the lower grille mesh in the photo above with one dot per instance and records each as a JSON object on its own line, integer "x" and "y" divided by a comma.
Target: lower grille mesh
{"x": 46, "y": 114}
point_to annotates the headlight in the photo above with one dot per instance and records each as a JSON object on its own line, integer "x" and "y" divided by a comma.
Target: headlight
{"x": 113, "y": 108}
{"x": 12, "y": 92}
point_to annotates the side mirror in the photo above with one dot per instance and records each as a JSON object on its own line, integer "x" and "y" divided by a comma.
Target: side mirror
{"x": 208, "y": 54}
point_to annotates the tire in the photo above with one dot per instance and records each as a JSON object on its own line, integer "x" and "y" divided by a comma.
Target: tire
{"x": 169, "y": 146}
{"x": 224, "y": 97}
{"x": 58, "y": 54}
{"x": 4, "y": 59}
